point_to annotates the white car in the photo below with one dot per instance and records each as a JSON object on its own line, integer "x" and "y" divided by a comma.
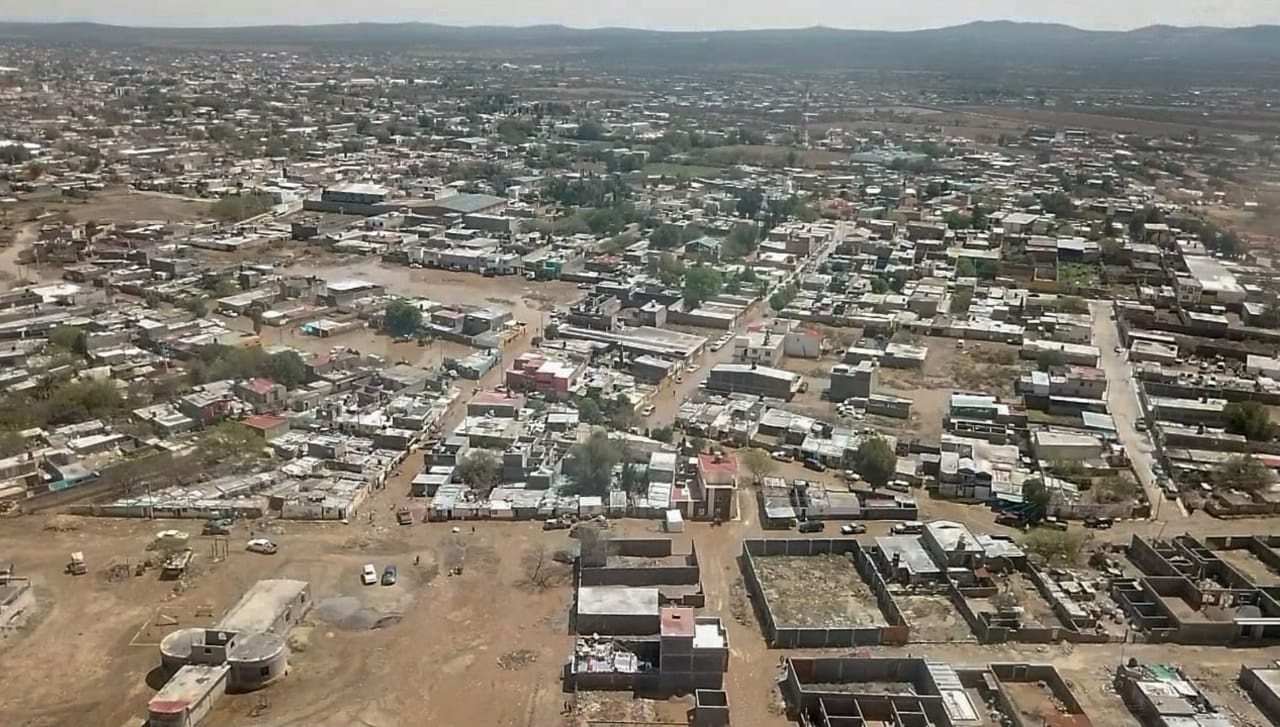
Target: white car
{"x": 647, "y": 411}
{"x": 782, "y": 455}
{"x": 369, "y": 575}
{"x": 262, "y": 546}
{"x": 692, "y": 368}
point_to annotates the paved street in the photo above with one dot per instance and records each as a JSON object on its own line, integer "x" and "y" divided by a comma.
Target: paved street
{"x": 1122, "y": 399}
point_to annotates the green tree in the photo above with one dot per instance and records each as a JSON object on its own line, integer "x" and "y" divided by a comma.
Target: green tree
{"x": 11, "y": 443}
{"x": 876, "y": 461}
{"x": 700, "y": 283}
{"x": 69, "y": 338}
{"x": 878, "y": 285}
{"x": 669, "y": 269}
{"x": 665, "y": 237}
{"x": 551, "y": 331}
{"x": 1046, "y": 360}
{"x": 287, "y": 368}
{"x": 402, "y": 318}
{"x": 1250, "y": 419}
{"x": 758, "y": 463}
{"x": 662, "y": 433}
{"x": 589, "y": 130}
{"x": 965, "y": 268}
{"x": 237, "y": 207}
{"x": 197, "y": 305}
{"x": 1037, "y": 496}
{"x": 1054, "y": 547}
{"x": 480, "y": 468}
{"x": 783, "y": 297}
{"x": 589, "y": 411}
{"x": 590, "y": 463}
{"x": 740, "y": 242}
{"x": 750, "y": 203}
{"x": 1243, "y": 472}
{"x": 229, "y": 443}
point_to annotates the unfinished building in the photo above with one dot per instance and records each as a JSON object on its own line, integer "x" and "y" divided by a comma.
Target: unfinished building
{"x": 1162, "y": 696}
{"x": 1263, "y": 686}
{"x": 913, "y": 692}
{"x": 951, "y": 584}
{"x": 820, "y": 593}
{"x": 1190, "y": 594}
{"x": 634, "y": 607}
{"x": 245, "y": 651}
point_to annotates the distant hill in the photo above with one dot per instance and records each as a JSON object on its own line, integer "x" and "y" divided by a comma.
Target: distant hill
{"x": 976, "y": 48}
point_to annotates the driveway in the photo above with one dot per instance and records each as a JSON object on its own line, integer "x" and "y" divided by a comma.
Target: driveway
{"x": 1122, "y": 400}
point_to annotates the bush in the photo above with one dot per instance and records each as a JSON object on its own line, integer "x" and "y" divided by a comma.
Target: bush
{"x": 237, "y": 207}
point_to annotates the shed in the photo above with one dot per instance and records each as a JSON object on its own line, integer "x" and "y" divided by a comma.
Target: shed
{"x": 674, "y": 522}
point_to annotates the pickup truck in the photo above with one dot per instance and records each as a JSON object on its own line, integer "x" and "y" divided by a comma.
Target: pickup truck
{"x": 404, "y": 516}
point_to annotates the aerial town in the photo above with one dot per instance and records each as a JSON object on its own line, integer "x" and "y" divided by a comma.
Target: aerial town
{"x": 350, "y": 387}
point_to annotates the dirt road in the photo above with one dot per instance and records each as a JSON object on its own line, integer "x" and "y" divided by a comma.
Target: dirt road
{"x": 1126, "y": 411}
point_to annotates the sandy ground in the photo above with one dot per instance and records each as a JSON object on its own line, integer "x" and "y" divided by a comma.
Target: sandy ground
{"x": 122, "y": 204}
{"x": 441, "y": 636}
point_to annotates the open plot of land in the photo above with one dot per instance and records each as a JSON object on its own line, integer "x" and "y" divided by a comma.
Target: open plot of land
{"x": 1036, "y": 703}
{"x": 1248, "y": 564}
{"x": 932, "y": 618}
{"x": 977, "y": 366}
{"x": 604, "y": 709}
{"x": 816, "y": 591}
{"x": 1018, "y": 591}
{"x": 124, "y": 205}
{"x": 427, "y": 643}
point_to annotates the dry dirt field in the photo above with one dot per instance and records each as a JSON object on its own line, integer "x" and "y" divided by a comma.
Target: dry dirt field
{"x": 121, "y": 204}
{"x": 816, "y": 590}
{"x": 440, "y": 641}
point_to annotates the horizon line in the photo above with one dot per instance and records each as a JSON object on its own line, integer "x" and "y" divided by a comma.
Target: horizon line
{"x": 588, "y": 28}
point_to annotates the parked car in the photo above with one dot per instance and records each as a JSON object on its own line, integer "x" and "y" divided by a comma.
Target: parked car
{"x": 556, "y": 523}
{"x": 262, "y": 546}
{"x": 368, "y": 574}
{"x": 1053, "y": 523}
{"x": 389, "y": 575}
{"x": 1010, "y": 520}
{"x": 647, "y": 411}
{"x": 812, "y": 526}
{"x": 1140, "y": 425}
{"x": 853, "y": 529}
{"x": 782, "y": 455}
{"x": 908, "y": 527}
{"x": 1098, "y": 522}
{"x": 692, "y": 368}
{"x": 815, "y": 465}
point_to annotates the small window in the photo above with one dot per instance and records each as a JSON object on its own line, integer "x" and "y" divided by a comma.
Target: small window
{"x": 265, "y": 671}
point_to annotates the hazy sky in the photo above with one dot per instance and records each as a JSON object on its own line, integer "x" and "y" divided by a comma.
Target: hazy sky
{"x": 665, "y": 14}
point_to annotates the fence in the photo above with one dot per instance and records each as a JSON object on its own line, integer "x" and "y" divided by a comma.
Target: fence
{"x": 787, "y": 636}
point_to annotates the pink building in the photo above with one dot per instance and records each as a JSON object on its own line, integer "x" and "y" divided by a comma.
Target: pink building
{"x": 534, "y": 372}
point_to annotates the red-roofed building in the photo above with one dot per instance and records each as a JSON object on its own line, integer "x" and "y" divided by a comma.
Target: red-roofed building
{"x": 264, "y": 395}
{"x": 266, "y": 426}
{"x": 717, "y": 487}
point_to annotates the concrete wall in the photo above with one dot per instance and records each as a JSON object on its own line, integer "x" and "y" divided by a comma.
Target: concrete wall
{"x": 112, "y": 483}
{"x": 664, "y": 574}
{"x": 1263, "y": 696}
{"x": 1047, "y": 676}
{"x": 783, "y": 636}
